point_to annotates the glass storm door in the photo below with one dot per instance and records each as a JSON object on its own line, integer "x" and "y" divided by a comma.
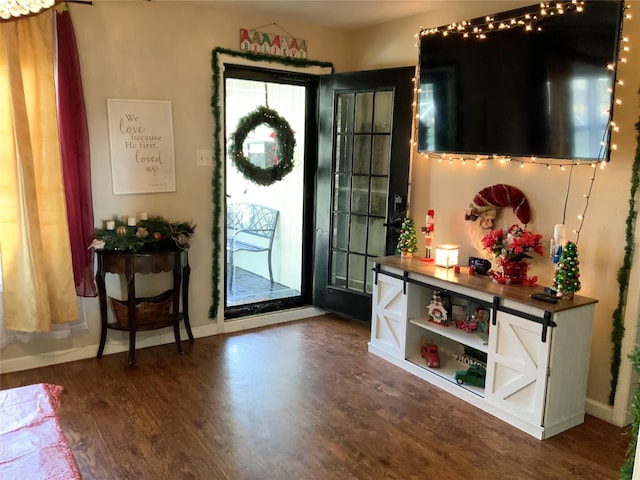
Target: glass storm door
{"x": 365, "y": 124}
{"x": 268, "y": 256}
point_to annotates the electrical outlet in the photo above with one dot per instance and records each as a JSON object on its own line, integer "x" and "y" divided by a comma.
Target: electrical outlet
{"x": 204, "y": 158}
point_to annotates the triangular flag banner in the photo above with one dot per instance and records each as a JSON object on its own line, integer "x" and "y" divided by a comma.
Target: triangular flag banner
{"x": 272, "y": 44}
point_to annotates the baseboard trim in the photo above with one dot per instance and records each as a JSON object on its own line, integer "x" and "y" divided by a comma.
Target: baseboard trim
{"x": 153, "y": 338}
{"x": 273, "y": 318}
{"x": 144, "y": 339}
{"x": 600, "y": 410}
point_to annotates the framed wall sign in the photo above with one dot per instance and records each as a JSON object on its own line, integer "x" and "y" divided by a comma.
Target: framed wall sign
{"x": 141, "y": 142}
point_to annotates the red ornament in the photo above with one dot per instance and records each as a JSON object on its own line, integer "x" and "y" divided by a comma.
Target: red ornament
{"x": 157, "y": 235}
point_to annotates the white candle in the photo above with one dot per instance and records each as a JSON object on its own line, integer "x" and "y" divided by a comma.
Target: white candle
{"x": 144, "y": 216}
{"x": 131, "y": 221}
{"x": 111, "y": 224}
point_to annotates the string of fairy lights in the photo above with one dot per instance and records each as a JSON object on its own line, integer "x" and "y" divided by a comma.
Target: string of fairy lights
{"x": 528, "y": 19}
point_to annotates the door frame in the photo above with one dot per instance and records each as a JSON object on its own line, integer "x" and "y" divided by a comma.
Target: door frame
{"x": 220, "y": 59}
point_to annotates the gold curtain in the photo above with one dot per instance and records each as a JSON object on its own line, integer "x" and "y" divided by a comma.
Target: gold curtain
{"x": 34, "y": 238}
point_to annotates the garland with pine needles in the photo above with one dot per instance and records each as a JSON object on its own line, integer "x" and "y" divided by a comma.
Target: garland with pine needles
{"x": 151, "y": 235}
{"x": 617, "y": 332}
{"x": 216, "y": 181}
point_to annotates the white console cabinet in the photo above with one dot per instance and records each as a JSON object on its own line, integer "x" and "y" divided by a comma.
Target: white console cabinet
{"x": 536, "y": 354}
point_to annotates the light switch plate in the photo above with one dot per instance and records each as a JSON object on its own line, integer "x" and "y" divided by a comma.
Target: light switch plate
{"x": 204, "y": 158}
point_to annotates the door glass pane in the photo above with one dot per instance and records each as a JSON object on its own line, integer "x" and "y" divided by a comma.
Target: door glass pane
{"x": 342, "y": 193}
{"x": 358, "y": 234}
{"x": 340, "y": 237}
{"x": 255, "y": 276}
{"x": 364, "y": 112}
{"x": 344, "y": 113}
{"x": 369, "y": 287}
{"x": 382, "y": 112}
{"x": 360, "y": 194}
{"x": 377, "y": 237}
{"x": 361, "y": 176}
{"x": 356, "y": 272}
{"x": 381, "y": 157}
{"x": 339, "y": 268}
{"x": 378, "y": 196}
{"x": 344, "y": 153}
{"x": 362, "y": 154}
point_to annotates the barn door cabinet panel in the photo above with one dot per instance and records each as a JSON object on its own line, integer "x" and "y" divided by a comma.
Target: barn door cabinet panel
{"x": 521, "y": 360}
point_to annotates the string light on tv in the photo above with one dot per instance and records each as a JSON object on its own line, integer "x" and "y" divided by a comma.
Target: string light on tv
{"x": 526, "y": 19}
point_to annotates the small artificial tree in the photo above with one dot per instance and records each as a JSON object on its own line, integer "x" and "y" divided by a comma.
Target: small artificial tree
{"x": 566, "y": 279}
{"x": 408, "y": 242}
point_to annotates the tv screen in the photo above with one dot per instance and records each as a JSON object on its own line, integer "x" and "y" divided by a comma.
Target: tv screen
{"x": 522, "y": 83}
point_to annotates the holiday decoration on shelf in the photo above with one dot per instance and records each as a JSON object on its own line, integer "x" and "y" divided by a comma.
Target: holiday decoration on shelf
{"x": 149, "y": 234}
{"x": 408, "y": 242}
{"x": 285, "y": 144}
{"x": 489, "y": 200}
{"x": 566, "y": 280}
{"x": 558, "y": 242}
{"x": 436, "y": 311}
{"x": 429, "y": 227}
{"x": 511, "y": 248}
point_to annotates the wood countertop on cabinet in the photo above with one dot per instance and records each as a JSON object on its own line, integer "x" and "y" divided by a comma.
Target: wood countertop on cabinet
{"x": 483, "y": 283}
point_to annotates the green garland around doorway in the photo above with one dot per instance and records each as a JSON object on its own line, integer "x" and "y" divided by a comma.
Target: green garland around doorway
{"x": 617, "y": 332}
{"x": 285, "y": 144}
{"x": 216, "y": 181}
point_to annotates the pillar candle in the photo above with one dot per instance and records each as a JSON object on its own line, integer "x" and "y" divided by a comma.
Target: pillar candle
{"x": 144, "y": 216}
{"x": 111, "y": 224}
{"x": 131, "y": 221}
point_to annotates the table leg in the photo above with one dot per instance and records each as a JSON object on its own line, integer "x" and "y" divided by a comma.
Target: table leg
{"x": 131, "y": 308}
{"x": 186, "y": 273}
{"x": 132, "y": 346}
{"x": 102, "y": 295}
{"x": 175, "y": 310}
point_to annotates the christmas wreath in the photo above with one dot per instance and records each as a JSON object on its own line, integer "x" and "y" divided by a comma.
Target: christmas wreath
{"x": 285, "y": 144}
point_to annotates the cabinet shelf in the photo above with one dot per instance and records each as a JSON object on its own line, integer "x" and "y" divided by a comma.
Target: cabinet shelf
{"x": 473, "y": 339}
{"x": 447, "y": 370}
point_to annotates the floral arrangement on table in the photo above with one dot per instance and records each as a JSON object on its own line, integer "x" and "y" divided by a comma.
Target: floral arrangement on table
{"x": 146, "y": 234}
{"x": 511, "y": 248}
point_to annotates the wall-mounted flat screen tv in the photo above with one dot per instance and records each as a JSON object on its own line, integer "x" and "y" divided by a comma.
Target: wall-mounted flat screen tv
{"x": 522, "y": 83}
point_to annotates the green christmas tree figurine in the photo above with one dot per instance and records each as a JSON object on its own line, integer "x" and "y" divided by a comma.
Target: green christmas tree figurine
{"x": 566, "y": 279}
{"x": 408, "y": 242}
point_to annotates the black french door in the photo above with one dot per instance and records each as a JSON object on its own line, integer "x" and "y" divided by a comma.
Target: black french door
{"x": 364, "y": 134}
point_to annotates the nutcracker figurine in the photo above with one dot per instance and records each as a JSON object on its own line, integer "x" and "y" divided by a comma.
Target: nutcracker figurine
{"x": 428, "y": 228}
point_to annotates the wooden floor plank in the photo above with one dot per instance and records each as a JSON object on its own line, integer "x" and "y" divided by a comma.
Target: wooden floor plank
{"x": 303, "y": 400}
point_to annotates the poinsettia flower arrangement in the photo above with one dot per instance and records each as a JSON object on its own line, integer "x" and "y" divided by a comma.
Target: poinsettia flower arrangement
{"x": 150, "y": 234}
{"x": 510, "y": 248}
{"x": 513, "y": 244}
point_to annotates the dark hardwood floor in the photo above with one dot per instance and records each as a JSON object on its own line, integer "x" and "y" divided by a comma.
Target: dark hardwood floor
{"x": 302, "y": 400}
